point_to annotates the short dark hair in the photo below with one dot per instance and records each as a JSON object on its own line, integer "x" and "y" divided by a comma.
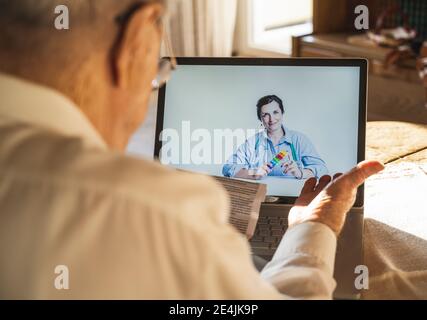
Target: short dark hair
{"x": 266, "y": 100}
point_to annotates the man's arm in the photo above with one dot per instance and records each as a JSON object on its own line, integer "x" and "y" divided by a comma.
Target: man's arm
{"x": 303, "y": 264}
{"x": 302, "y": 267}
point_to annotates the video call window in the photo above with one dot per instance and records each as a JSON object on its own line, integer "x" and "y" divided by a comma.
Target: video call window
{"x": 277, "y": 125}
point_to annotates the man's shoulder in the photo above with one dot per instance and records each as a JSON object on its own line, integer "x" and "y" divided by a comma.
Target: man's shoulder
{"x": 156, "y": 181}
{"x": 149, "y": 184}
{"x": 69, "y": 162}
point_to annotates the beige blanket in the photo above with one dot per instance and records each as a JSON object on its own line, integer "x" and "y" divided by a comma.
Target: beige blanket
{"x": 395, "y": 237}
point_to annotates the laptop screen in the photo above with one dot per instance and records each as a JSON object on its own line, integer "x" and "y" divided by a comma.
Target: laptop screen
{"x": 277, "y": 125}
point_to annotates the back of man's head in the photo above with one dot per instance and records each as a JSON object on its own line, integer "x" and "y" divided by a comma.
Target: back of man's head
{"x": 99, "y": 62}
{"x": 37, "y": 13}
{"x": 28, "y": 26}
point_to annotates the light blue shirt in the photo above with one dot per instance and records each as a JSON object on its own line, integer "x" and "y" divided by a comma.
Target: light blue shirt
{"x": 259, "y": 150}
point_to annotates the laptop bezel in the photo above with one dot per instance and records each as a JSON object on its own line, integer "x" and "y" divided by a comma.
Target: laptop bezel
{"x": 362, "y": 64}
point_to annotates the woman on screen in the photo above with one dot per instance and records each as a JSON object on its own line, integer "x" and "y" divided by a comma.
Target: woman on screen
{"x": 276, "y": 151}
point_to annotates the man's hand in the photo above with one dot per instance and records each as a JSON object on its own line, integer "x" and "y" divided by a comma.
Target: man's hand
{"x": 329, "y": 205}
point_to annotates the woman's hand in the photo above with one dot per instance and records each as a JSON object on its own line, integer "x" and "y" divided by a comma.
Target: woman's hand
{"x": 292, "y": 168}
{"x": 254, "y": 174}
{"x": 260, "y": 172}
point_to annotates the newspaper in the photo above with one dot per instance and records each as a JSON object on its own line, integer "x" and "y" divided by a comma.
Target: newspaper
{"x": 245, "y": 202}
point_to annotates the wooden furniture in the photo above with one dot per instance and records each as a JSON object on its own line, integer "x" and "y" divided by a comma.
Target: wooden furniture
{"x": 395, "y": 92}
{"x": 347, "y": 45}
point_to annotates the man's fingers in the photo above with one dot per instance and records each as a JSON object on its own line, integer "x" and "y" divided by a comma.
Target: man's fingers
{"x": 323, "y": 182}
{"x": 362, "y": 171}
{"x": 337, "y": 175}
{"x": 309, "y": 185}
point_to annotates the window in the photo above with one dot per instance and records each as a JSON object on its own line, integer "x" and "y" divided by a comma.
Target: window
{"x": 266, "y": 27}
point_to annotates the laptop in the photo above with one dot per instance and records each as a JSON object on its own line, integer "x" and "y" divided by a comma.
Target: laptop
{"x": 300, "y": 117}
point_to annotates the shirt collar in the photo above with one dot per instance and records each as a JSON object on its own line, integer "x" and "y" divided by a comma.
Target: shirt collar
{"x": 42, "y": 106}
{"x": 287, "y": 138}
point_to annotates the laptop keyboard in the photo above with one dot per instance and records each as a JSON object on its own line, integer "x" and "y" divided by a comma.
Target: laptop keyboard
{"x": 268, "y": 233}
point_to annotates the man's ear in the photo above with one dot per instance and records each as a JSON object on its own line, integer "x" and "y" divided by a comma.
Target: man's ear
{"x": 129, "y": 40}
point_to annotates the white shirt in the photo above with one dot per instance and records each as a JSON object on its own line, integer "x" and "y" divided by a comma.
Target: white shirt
{"x": 126, "y": 228}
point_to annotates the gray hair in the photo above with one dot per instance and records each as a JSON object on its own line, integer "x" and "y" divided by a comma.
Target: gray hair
{"x": 29, "y": 24}
{"x": 38, "y": 13}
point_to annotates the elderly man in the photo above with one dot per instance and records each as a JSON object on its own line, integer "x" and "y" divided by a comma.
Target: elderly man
{"x": 79, "y": 219}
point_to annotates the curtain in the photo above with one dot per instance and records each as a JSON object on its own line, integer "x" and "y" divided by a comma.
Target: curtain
{"x": 202, "y": 27}
{"x": 196, "y": 28}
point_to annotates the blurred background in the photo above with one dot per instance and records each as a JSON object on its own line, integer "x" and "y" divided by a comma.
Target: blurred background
{"x": 397, "y": 94}
{"x": 313, "y": 28}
